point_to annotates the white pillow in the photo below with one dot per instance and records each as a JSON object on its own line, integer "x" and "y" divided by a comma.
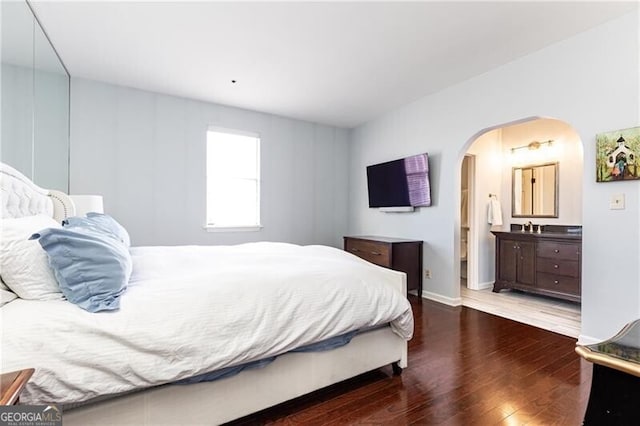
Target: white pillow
{"x": 6, "y": 295}
{"x": 24, "y": 265}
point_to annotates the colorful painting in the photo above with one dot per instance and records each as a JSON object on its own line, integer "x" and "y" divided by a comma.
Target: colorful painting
{"x": 617, "y": 155}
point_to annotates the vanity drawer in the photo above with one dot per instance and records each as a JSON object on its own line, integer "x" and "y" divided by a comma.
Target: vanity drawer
{"x": 568, "y": 268}
{"x": 558, "y": 283}
{"x": 371, "y": 251}
{"x": 554, "y": 250}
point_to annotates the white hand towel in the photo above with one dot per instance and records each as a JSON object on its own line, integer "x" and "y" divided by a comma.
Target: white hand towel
{"x": 494, "y": 212}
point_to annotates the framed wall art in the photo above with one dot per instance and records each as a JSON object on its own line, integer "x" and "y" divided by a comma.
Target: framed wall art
{"x": 617, "y": 155}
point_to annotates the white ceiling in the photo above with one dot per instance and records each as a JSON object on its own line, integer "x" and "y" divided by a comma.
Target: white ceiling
{"x": 334, "y": 63}
{"x": 24, "y": 44}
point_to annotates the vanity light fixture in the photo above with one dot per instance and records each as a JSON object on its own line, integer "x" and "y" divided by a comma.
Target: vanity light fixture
{"x": 533, "y": 146}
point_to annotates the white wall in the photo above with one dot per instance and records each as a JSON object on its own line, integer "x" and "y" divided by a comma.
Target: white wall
{"x": 487, "y": 150}
{"x": 589, "y": 81}
{"x": 145, "y": 153}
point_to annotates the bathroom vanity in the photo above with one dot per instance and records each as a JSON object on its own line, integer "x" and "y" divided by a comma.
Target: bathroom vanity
{"x": 547, "y": 263}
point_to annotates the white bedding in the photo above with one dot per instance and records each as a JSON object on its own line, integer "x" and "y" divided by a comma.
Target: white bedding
{"x": 194, "y": 309}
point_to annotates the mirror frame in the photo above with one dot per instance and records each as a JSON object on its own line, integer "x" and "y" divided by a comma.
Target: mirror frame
{"x": 557, "y": 186}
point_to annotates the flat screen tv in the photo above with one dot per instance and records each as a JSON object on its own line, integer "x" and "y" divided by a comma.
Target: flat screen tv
{"x": 400, "y": 183}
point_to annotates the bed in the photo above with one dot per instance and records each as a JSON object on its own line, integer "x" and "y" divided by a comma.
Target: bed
{"x": 263, "y": 300}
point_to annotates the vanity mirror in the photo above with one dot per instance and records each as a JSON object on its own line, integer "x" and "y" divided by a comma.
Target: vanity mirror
{"x": 535, "y": 191}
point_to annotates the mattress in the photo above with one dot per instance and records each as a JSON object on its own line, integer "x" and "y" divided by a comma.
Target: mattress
{"x": 190, "y": 310}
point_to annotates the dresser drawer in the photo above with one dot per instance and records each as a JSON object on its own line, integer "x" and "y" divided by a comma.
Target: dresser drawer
{"x": 559, "y": 283}
{"x": 565, "y": 251}
{"x": 371, "y": 251}
{"x": 567, "y": 268}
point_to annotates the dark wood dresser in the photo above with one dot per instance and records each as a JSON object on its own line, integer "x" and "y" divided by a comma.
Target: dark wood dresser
{"x": 548, "y": 263}
{"x": 393, "y": 253}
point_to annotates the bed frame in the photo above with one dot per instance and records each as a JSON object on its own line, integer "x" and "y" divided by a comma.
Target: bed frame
{"x": 289, "y": 376}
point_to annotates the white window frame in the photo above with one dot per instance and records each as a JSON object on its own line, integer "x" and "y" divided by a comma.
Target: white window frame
{"x": 242, "y": 228}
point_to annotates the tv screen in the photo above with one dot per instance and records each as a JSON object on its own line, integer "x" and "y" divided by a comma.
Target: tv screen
{"x": 400, "y": 183}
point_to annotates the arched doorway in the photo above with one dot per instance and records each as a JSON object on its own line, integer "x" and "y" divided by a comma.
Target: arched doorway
{"x": 494, "y": 153}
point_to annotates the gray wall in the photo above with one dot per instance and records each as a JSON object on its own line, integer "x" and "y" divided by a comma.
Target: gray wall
{"x": 590, "y": 81}
{"x": 51, "y": 130}
{"x": 35, "y": 100}
{"x": 35, "y": 124}
{"x": 17, "y": 118}
{"x": 145, "y": 153}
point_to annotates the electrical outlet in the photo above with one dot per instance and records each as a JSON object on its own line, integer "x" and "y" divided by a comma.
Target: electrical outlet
{"x": 427, "y": 273}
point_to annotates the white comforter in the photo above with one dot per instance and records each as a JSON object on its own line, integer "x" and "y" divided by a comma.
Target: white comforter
{"x": 193, "y": 309}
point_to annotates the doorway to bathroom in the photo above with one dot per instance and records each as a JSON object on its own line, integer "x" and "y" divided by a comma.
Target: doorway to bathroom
{"x": 488, "y": 200}
{"x": 466, "y": 218}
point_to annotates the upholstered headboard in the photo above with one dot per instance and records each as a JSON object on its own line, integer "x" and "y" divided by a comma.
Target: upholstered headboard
{"x": 21, "y": 197}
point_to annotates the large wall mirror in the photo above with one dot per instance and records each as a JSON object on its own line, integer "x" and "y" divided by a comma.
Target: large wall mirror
{"x": 535, "y": 191}
{"x": 35, "y": 100}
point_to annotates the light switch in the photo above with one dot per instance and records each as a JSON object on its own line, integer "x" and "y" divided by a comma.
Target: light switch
{"x": 616, "y": 202}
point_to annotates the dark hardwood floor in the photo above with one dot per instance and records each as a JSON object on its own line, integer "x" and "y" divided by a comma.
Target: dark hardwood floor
{"x": 466, "y": 367}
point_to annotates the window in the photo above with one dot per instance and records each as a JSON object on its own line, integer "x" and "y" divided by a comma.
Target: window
{"x": 233, "y": 179}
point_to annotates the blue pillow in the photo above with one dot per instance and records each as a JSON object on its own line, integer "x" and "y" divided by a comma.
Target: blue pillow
{"x": 92, "y": 266}
{"x": 102, "y": 222}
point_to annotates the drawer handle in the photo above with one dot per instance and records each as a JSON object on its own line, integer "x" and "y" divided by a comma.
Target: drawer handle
{"x": 354, "y": 250}
{"x": 556, "y": 251}
{"x": 556, "y": 282}
{"x": 375, "y": 253}
{"x": 556, "y": 266}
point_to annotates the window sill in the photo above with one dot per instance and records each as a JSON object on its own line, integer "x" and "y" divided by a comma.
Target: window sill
{"x": 251, "y": 228}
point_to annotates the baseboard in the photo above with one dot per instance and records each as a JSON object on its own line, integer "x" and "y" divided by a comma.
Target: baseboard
{"x": 484, "y": 286}
{"x": 587, "y": 340}
{"x": 451, "y": 301}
